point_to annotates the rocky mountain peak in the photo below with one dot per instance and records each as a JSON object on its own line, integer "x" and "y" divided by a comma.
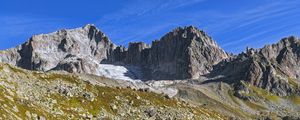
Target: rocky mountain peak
{"x": 86, "y": 45}
{"x": 185, "y": 52}
{"x": 274, "y": 67}
{"x": 288, "y": 41}
{"x": 89, "y": 26}
{"x": 190, "y": 31}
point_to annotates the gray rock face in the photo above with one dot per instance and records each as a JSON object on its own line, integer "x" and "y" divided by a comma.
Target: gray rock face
{"x": 181, "y": 54}
{"x": 274, "y": 67}
{"x": 74, "y": 50}
{"x": 184, "y": 53}
{"x": 74, "y": 64}
{"x": 135, "y": 53}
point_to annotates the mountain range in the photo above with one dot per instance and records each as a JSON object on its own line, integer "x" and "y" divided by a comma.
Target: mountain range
{"x": 186, "y": 64}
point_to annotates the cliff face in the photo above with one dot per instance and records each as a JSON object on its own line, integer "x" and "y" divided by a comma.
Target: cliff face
{"x": 185, "y": 53}
{"x": 181, "y": 54}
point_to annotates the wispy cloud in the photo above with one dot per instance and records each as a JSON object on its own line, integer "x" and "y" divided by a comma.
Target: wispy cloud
{"x": 142, "y": 20}
{"x": 254, "y": 24}
{"x": 20, "y": 25}
{"x": 283, "y": 28}
{"x": 145, "y": 7}
{"x": 16, "y": 27}
{"x": 272, "y": 10}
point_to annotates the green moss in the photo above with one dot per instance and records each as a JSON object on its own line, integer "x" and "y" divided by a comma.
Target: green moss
{"x": 254, "y": 105}
{"x": 263, "y": 93}
{"x": 106, "y": 96}
{"x": 294, "y": 98}
{"x": 56, "y": 76}
{"x": 292, "y": 82}
{"x": 233, "y": 98}
{"x": 256, "y": 91}
{"x": 1, "y": 67}
{"x": 16, "y": 70}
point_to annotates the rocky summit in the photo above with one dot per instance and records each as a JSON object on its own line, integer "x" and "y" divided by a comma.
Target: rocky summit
{"x": 78, "y": 51}
{"x": 181, "y": 54}
{"x": 274, "y": 67}
{"x": 81, "y": 74}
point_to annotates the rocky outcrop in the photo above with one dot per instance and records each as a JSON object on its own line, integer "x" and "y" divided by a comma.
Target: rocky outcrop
{"x": 274, "y": 67}
{"x": 74, "y": 50}
{"x": 74, "y": 64}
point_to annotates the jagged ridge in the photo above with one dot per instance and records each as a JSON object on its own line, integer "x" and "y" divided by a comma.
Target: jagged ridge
{"x": 273, "y": 68}
{"x": 181, "y": 54}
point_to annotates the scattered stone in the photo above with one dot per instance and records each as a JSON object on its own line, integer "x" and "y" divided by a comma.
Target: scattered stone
{"x": 27, "y": 113}
{"x": 150, "y": 112}
{"x": 15, "y": 109}
{"x": 138, "y": 97}
{"x": 114, "y": 107}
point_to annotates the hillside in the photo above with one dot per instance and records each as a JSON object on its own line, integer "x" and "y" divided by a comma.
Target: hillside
{"x": 57, "y": 95}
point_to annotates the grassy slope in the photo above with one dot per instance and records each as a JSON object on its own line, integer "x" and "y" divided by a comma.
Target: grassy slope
{"x": 13, "y": 106}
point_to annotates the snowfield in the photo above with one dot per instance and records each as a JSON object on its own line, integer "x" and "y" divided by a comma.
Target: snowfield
{"x": 133, "y": 75}
{"x": 119, "y": 72}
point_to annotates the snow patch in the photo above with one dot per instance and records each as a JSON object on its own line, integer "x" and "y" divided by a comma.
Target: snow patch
{"x": 128, "y": 73}
{"x": 131, "y": 76}
{"x": 164, "y": 87}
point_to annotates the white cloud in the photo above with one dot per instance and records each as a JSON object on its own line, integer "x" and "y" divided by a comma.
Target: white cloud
{"x": 20, "y": 25}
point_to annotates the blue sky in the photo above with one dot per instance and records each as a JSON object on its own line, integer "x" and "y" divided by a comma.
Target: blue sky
{"x": 234, "y": 24}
